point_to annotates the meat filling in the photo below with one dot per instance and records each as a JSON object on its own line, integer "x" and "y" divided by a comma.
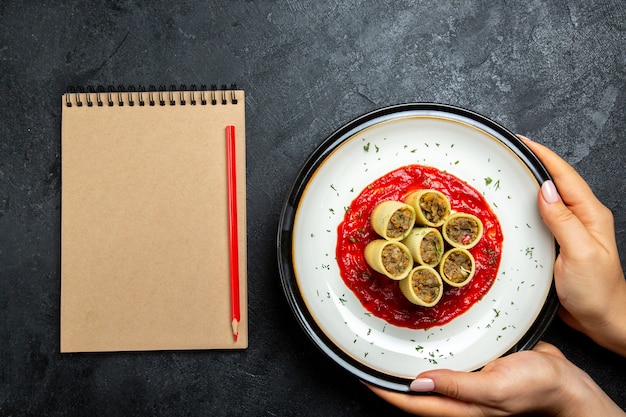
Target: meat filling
{"x": 433, "y": 206}
{"x": 399, "y": 223}
{"x": 457, "y": 267}
{"x": 395, "y": 259}
{"x": 430, "y": 249}
{"x": 463, "y": 230}
{"x": 425, "y": 285}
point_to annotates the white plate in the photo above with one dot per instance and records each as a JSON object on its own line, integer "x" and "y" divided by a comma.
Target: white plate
{"x": 514, "y": 312}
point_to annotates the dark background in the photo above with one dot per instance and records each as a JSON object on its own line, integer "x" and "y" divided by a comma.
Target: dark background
{"x": 554, "y": 71}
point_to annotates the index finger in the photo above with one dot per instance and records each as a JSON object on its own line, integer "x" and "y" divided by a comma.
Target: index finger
{"x": 573, "y": 189}
{"x": 425, "y": 405}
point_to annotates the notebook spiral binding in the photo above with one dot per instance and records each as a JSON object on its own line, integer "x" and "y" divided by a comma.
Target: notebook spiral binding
{"x": 162, "y": 96}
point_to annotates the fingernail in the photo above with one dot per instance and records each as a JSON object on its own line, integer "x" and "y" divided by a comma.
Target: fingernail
{"x": 422, "y": 385}
{"x": 524, "y": 137}
{"x": 549, "y": 192}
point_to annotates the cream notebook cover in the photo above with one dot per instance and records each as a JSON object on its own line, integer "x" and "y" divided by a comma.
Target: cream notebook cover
{"x": 144, "y": 220}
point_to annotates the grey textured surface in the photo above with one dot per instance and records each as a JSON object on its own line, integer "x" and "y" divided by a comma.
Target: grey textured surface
{"x": 554, "y": 71}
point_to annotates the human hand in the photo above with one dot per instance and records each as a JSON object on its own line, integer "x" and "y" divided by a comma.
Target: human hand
{"x": 591, "y": 287}
{"x": 588, "y": 275}
{"x": 540, "y": 380}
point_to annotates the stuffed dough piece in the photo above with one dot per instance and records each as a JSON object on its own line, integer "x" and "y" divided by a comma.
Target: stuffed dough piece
{"x": 393, "y": 220}
{"x": 457, "y": 267}
{"x": 426, "y": 245}
{"x": 462, "y": 230}
{"x": 423, "y": 286}
{"x": 392, "y": 259}
{"x": 432, "y": 207}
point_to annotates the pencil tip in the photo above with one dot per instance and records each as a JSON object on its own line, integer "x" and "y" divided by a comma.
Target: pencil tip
{"x": 235, "y": 325}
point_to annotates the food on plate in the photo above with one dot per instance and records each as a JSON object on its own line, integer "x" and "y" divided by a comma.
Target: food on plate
{"x": 392, "y": 259}
{"x": 393, "y": 220}
{"x": 462, "y": 230}
{"x": 381, "y": 296}
{"x": 457, "y": 267}
{"x": 432, "y": 207}
{"x": 423, "y": 286}
{"x": 426, "y": 245}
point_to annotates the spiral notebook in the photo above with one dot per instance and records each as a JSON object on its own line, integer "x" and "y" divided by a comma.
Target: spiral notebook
{"x": 144, "y": 219}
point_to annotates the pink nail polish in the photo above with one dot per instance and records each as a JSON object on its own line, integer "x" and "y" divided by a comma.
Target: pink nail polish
{"x": 422, "y": 385}
{"x": 549, "y": 192}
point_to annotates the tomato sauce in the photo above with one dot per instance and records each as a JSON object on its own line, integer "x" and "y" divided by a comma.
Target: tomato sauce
{"x": 382, "y": 296}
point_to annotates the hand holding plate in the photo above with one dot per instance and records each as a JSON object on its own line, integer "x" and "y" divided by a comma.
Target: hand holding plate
{"x": 588, "y": 276}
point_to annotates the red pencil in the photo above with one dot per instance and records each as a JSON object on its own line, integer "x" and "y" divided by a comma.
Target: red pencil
{"x": 232, "y": 229}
